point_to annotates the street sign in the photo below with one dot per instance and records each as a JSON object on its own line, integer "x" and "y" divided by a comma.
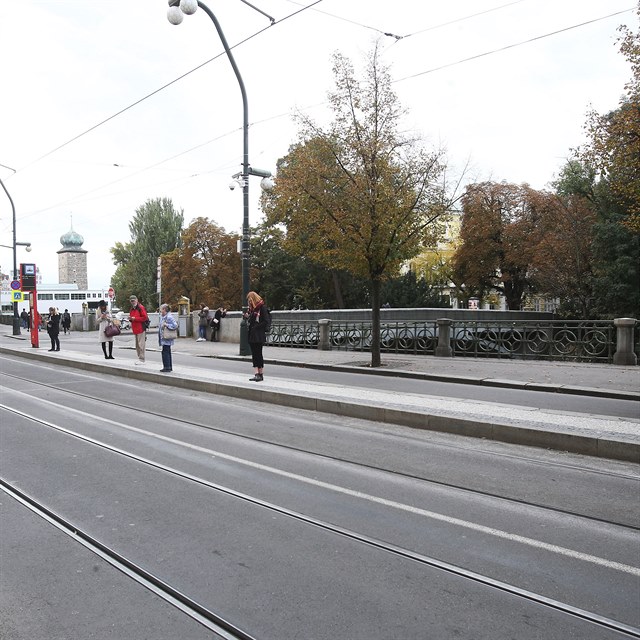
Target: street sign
{"x": 16, "y": 296}
{"x": 111, "y": 292}
{"x": 15, "y": 285}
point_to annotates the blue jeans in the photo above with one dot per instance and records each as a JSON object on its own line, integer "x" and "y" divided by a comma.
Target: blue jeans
{"x": 166, "y": 357}
{"x": 202, "y": 332}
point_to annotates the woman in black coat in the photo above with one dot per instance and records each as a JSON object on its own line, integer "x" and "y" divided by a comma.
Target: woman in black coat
{"x": 53, "y": 329}
{"x": 258, "y": 319}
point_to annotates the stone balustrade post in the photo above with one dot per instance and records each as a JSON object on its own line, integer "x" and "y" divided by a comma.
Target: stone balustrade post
{"x": 444, "y": 350}
{"x": 324, "y": 330}
{"x": 624, "y": 340}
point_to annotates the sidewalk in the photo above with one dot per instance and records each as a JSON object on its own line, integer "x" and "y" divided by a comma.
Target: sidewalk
{"x": 579, "y": 433}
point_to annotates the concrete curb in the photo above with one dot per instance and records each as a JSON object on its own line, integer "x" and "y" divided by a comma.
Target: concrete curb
{"x": 485, "y": 382}
{"x": 503, "y": 432}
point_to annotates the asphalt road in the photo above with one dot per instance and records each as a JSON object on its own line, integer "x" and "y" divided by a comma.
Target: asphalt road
{"x": 289, "y": 524}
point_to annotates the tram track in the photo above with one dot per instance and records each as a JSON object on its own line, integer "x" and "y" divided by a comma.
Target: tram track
{"x": 364, "y": 465}
{"x": 192, "y": 607}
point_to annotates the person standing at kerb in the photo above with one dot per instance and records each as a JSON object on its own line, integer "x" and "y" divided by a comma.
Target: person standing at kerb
{"x": 138, "y": 317}
{"x": 168, "y": 321}
{"x": 53, "y": 328}
{"x": 103, "y": 318}
{"x": 257, "y": 319}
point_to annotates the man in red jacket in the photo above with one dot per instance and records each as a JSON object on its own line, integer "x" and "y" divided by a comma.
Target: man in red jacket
{"x": 138, "y": 318}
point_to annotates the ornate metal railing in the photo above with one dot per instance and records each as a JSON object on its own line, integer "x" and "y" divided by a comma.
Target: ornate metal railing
{"x": 587, "y": 341}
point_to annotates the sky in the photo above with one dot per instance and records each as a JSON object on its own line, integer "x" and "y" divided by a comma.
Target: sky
{"x": 106, "y": 105}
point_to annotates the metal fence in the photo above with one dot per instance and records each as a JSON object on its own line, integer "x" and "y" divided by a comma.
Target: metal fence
{"x": 585, "y": 341}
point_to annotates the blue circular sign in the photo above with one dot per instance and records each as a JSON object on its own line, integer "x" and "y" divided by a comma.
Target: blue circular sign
{"x": 15, "y": 285}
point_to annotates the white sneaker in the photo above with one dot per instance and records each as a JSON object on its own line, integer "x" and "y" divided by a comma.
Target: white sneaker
{"x": 139, "y": 362}
{"x": 200, "y": 340}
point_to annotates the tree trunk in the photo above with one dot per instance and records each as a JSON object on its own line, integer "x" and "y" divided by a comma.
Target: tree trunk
{"x": 375, "y": 323}
{"x": 337, "y": 289}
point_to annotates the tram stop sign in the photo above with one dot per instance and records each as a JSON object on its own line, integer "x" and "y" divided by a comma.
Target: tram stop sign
{"x": 111, "y": 293}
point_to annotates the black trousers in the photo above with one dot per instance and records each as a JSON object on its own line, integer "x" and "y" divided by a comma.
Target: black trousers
{"x": 256, "y": 354}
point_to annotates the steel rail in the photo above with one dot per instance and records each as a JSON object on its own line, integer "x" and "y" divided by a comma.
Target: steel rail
{"x": 207, "y": 618}
{"x": 364, "y": 465}
{"x": 530, "y": 596}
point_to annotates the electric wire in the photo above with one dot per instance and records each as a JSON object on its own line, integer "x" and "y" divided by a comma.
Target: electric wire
{"x": 412, "y": 76}
{"x": 165, "y": 86}
{"x": 512, "y": 46}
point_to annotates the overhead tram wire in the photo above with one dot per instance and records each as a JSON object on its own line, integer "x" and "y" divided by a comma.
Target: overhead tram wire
{"x": 511, "y": 46}
{"x": 281, "y": 115}
{"x": 446, "y": 24}
{"x": 162, "y": 88}
{"x": 398, "y": 37}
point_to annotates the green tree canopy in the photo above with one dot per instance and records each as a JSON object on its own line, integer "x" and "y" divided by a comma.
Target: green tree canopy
{"x": 155, "y": 230}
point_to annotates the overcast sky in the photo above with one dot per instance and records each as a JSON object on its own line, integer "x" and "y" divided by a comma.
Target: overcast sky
{"x": 72, "y": 69}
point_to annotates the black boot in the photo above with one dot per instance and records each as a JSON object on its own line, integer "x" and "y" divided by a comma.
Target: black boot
{"x": 104, "y": 350}
{"x": 111, "y": 352}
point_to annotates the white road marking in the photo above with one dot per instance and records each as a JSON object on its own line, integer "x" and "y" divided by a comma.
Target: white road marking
{"x": 498, "y": 533}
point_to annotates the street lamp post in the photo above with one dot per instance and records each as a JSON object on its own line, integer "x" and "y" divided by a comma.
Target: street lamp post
{"x": 16, "y": 318}
{"x": 175, "y": 15}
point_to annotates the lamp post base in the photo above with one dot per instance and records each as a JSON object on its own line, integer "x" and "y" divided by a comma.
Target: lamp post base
{"x": 16, "y": 326}
{"x": 245, "y": 350}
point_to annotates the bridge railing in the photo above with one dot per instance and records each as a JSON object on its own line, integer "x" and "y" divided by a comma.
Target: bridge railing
{"x": 580, "y": 340}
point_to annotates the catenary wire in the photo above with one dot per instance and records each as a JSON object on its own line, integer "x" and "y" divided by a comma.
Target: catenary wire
{"x": 475, "y": 57}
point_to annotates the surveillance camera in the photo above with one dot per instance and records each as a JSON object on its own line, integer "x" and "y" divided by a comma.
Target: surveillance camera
{"x": 233, "y": 185}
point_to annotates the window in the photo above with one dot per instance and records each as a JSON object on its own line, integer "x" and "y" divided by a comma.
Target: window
{"x": 45, "y": 296}
{"x": 78, "y": 296}
{"x": 62, "y": 296}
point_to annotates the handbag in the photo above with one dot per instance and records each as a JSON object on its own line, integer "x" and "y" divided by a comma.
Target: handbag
{"x": 112, "y": 330}
{"x": 169, "y": 334}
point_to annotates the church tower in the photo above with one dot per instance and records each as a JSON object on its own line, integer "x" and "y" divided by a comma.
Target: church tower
{"x": 72, "y": 260}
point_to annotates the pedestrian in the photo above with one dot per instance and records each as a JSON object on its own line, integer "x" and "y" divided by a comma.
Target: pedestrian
{"x": 24, "y": 319}
{"x": 203, "y": 321}
{"x": 216, "y": 322}
{"x": 104, "y": 318}
{"x": 53, "y": 329}
{"x": 66, "y": 321}
{"x": 166, "y": 321}
{"x": 257, "y": 318}
{"x": 139, "y": 320}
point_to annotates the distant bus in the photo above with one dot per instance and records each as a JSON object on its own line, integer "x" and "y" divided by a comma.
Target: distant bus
{"x": 61, "y": 296}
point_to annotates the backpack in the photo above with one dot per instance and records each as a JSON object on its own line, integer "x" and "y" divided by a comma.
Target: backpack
{"x": 267, "y": 329}
{"x": 146, "y": 324}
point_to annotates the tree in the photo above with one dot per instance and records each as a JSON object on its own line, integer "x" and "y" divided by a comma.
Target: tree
{"x": 614, "y": 139}
{"x": 206, "y": 268}
{"x": 613, "y": 153}
{"x": 498, "y": 231}
{"x": 359, "y": 197}
{"x": 562, "y": 260}
{"x": 155, "y": 230}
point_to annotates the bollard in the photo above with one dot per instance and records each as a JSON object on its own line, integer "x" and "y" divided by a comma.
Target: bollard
{"x": 624, "y": 339}
{"x": 324, "y": 343}
{"x": 444, "y": 350}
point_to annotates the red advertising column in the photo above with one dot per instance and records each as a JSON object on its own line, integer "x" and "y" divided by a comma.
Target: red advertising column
{"x": 35, "y": 319}
{"x": 28, "y": 285}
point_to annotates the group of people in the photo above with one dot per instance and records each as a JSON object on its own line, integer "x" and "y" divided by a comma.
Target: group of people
{"x": 215, "y": 322}
{"x": 257, "y": 317}
{"x": 139, "y": 319}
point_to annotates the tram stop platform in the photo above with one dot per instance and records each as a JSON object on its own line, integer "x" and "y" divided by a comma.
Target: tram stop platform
{"x": 198, "y": 366}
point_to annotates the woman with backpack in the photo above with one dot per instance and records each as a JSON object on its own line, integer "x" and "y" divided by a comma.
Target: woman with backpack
{"x": 258, "y": 320}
